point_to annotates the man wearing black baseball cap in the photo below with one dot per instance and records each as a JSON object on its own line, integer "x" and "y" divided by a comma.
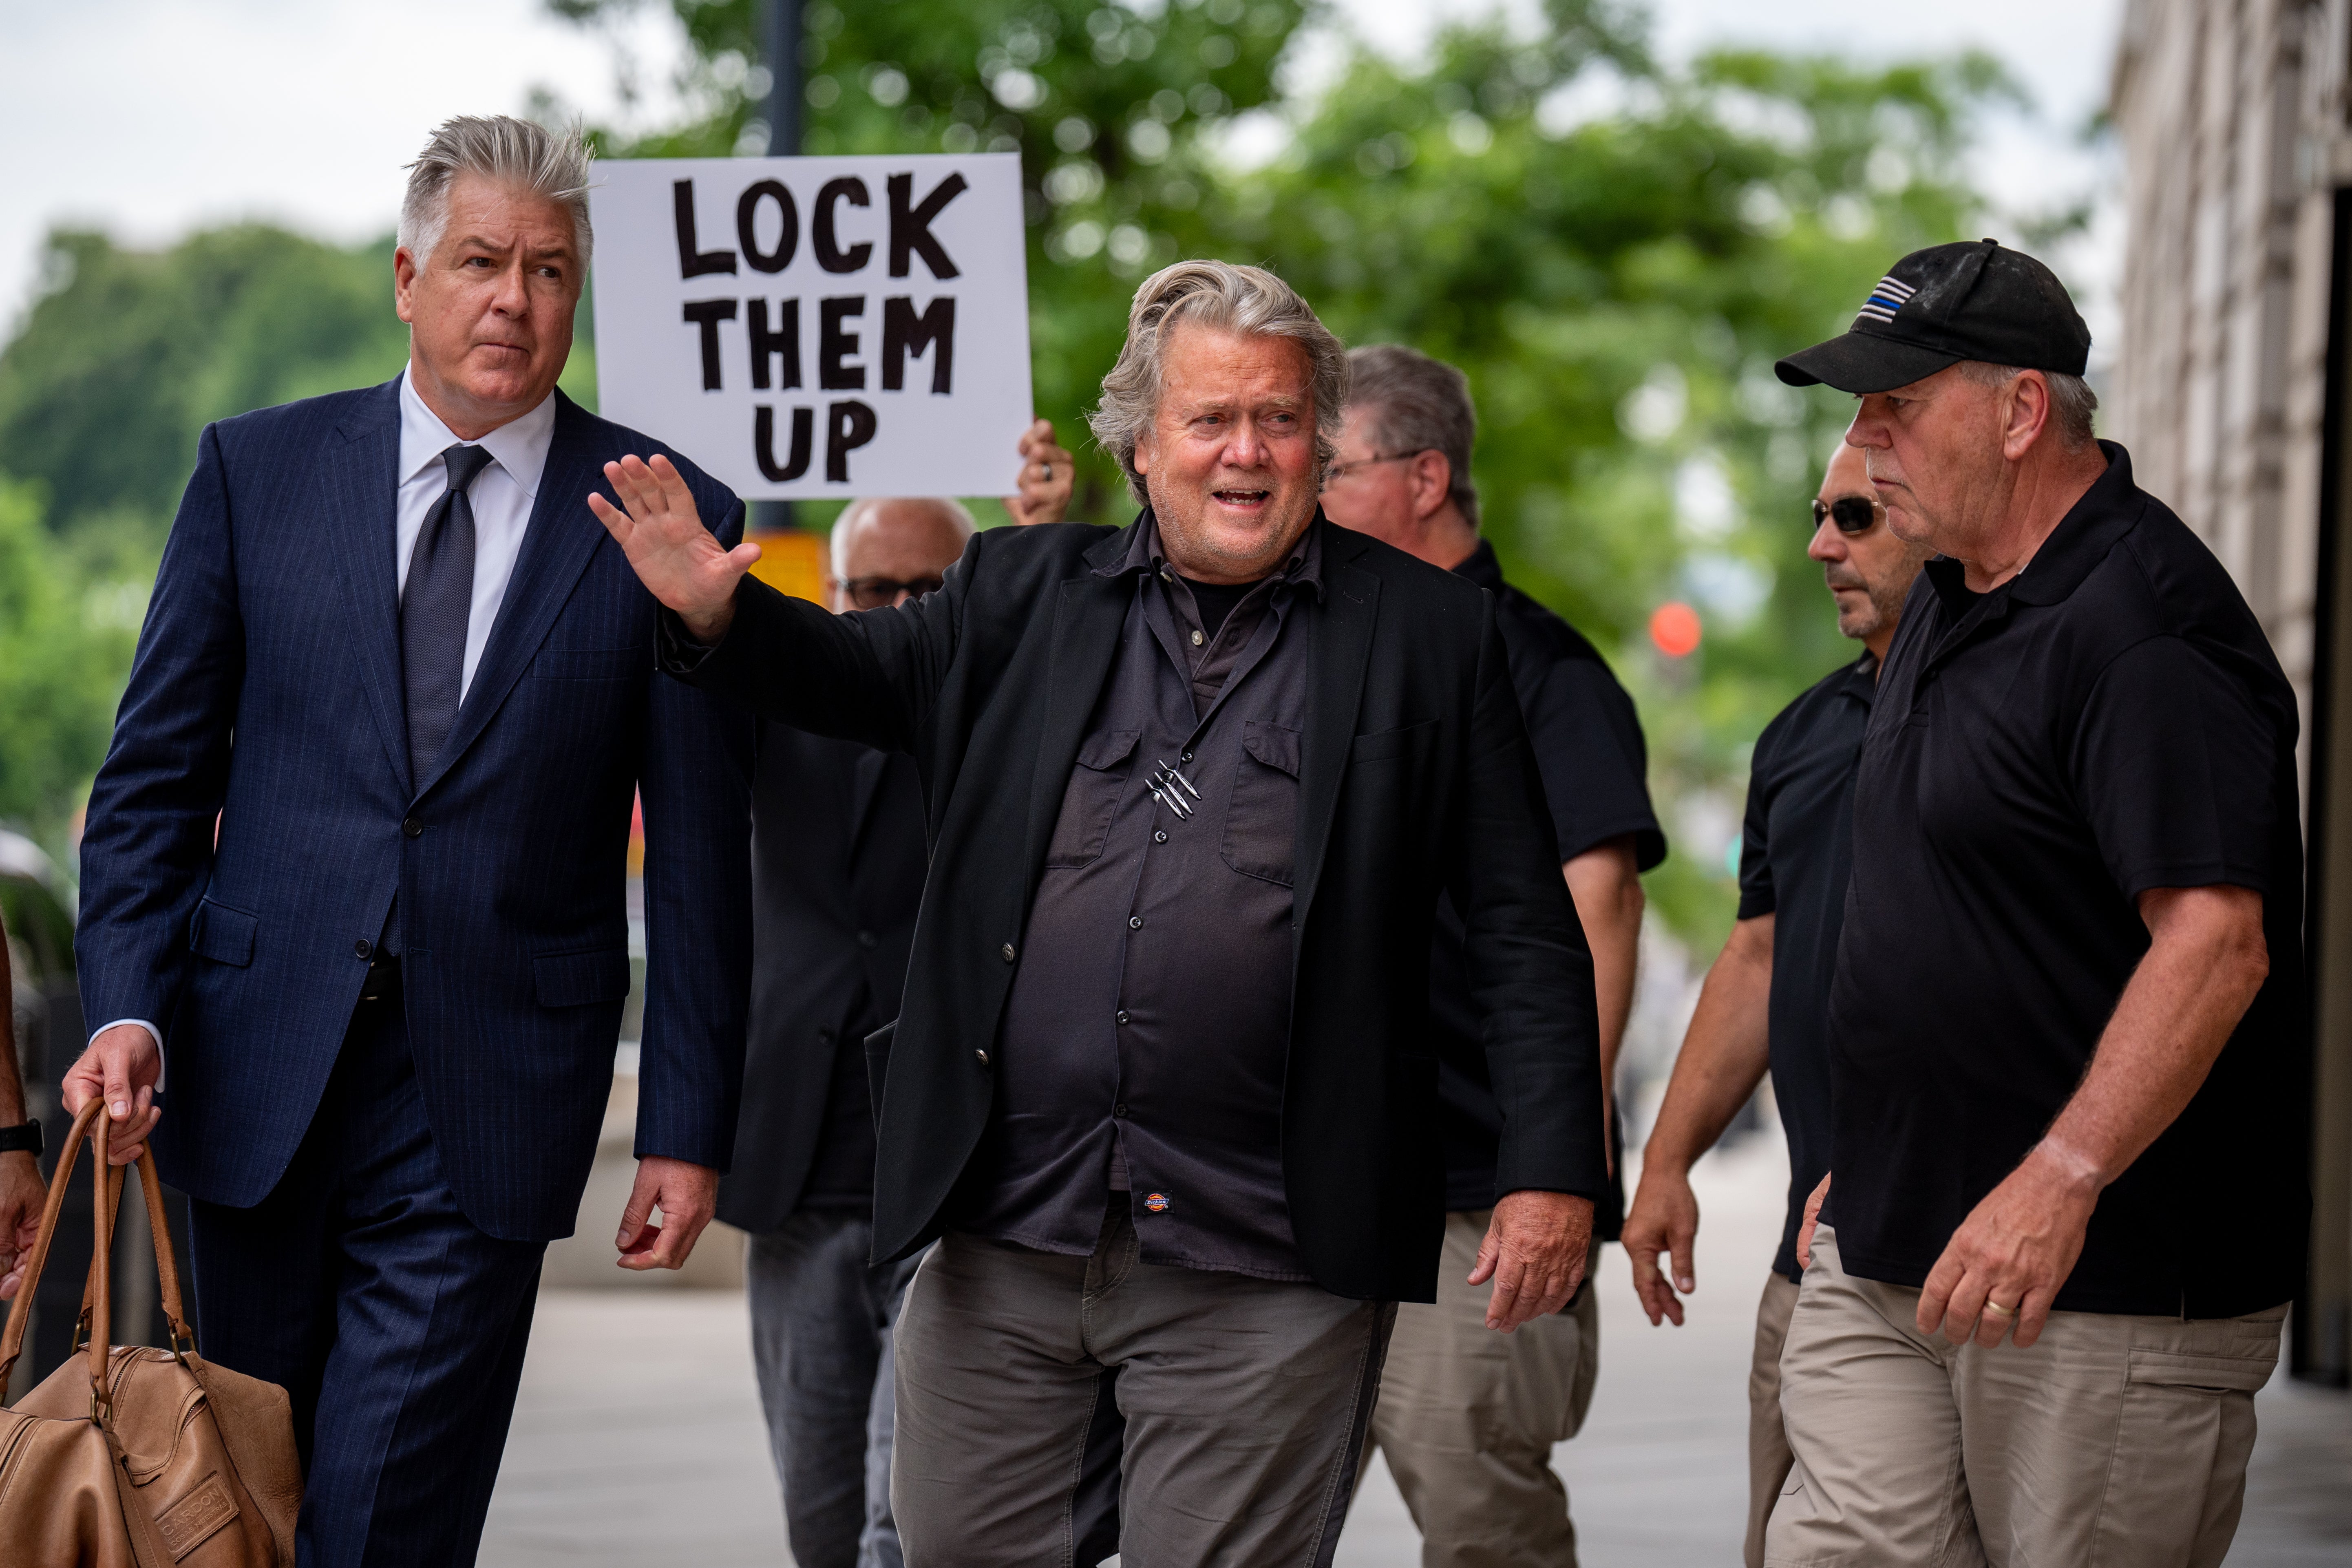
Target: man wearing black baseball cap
{"x": 2065, "y": 1018}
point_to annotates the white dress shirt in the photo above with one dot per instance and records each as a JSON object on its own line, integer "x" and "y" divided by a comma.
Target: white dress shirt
{"x": 502, "y": 496}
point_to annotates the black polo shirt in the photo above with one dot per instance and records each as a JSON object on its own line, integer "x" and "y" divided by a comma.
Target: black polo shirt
{"x": 1795, "y": 850}
{"x": 1589, "y": 750}
{"x": 2109, "y": 720}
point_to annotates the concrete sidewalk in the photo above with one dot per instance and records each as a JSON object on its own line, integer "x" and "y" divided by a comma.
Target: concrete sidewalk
{"x": 638, "y": 1438}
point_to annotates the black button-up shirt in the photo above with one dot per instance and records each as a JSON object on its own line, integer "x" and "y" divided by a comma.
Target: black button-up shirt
{"x": 1149, "y": 1025}
{"x": 2109, "y": 720}
{"x": 1794, "y": 855}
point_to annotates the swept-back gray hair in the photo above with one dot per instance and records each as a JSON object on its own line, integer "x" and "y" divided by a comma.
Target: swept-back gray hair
{"x": 2072, "y": 401}
{"x": 1245, "y": 300}
{"x": 517, "y": 153}
{"x": 1416, "y": 403}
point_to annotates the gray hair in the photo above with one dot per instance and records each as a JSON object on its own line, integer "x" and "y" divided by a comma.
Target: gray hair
{"x": 516, "y": 153}
{"x": 2072, "y": 401}
{"x": 1416, "y": 403}
{"x": 857, "y": 511}
{"x": 1245, "y": 300}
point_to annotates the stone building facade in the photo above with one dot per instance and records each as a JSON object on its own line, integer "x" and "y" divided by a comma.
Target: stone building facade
{"x": 2231, "y": 391}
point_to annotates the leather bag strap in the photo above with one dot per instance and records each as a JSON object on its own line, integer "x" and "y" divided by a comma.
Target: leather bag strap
{"x": 12, "y": 1339}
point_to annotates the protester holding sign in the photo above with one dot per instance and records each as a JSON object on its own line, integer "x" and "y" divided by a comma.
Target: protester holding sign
{"x": 1158, "y": 1083}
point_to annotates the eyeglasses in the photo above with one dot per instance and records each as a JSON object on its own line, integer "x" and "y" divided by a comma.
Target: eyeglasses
{"x": 1854, "y": 515}
{"x": 875, "y": 592}
{"x": 1337, "y": 471}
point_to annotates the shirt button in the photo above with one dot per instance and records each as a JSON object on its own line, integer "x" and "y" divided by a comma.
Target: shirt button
{"x": 979, "y": 1056}
{"x": 865, "y": 939}
{"x": 1197, "y": 638}
{"x": 1135, "y": 922}
{"x": 413, "y": 827}
{"x": 1159, "y": 837}
{"x": 1122, "y": 1015}
{"x": 1009, "y": 954}
{"x": 1120, "y": 1110}
{"x": 1187, "y": 757}
{"x": 361, "y": 948}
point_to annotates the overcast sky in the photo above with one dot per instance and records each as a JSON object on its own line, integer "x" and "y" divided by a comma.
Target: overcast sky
{"x": 148, "y": 117}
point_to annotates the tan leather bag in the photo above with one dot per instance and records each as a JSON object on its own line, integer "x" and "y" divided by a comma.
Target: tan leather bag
{"x": 132, "y": 1457}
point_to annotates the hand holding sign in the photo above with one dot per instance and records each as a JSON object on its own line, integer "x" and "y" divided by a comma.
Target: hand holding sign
{"x": 673, "y": 555}
{"x": 1046, "y": 478}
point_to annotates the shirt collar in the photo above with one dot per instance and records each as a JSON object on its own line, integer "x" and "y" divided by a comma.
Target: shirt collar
{"x": 1481, "y": 567}
{"x": 518, "y": 446}
{"x": 2104, "y": 514}
{"x": 1303, "y": 569}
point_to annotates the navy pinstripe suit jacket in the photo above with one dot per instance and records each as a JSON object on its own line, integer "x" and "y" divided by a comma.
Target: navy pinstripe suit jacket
{"x": 267, "y": 694}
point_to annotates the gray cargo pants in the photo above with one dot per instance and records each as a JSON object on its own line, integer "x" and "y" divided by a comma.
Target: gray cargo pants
{"x": 1246, "y": 1401}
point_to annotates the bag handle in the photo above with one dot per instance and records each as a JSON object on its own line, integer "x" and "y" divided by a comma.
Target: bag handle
{"x": 167, "y": 1271}
{"x": 97, "y": 1290}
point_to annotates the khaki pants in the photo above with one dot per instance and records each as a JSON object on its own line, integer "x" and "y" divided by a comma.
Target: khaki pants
{"x": 2113, "y": 1440}
{"x": 1246, "y": 1401}
{"x": 1468, "y": 1416}
{"x": 1767, "y": 1438}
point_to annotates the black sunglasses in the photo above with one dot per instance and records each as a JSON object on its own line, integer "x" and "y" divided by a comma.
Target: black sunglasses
{"x": 1853, "y": 514}
{"x": 874, "y": 593}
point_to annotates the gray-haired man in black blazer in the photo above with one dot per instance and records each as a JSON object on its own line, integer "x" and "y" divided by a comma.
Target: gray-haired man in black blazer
{"x": 1160, "y": 1084}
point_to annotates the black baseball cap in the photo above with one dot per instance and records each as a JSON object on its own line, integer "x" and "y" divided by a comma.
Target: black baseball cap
{"x": 1968, "y": 300}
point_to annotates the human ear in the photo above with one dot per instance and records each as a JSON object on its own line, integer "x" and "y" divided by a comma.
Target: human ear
{"x": 2025, "y": 411}
{"x": 1433, "y": 480}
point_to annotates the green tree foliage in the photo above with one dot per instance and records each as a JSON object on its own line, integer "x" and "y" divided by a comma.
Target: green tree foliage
{"x": 1613, "y": 250}
{"x": 65, "y": 641}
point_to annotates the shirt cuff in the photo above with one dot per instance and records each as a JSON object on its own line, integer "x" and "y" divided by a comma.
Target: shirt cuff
{"x": 153, "y": 1034}
{"x": 674, "y": 648}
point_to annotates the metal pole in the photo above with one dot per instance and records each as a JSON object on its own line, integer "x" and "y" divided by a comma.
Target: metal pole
{"x": 782, "y": 18}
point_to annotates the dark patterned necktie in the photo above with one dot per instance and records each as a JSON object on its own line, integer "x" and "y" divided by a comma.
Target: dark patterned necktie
{"x": 434, "y": 609}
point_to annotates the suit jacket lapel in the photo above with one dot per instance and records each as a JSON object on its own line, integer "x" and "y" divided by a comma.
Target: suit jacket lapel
{"x": 563, "y": 533}
{"x": 1087, "y": 615}
{"x": 1343, "y": 637}
{"x": 363, "y": 492}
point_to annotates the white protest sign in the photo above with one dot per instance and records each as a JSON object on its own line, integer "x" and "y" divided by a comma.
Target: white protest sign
{"x": 818, "y": 328}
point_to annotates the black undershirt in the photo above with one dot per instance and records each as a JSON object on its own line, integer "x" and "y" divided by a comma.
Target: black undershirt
{"x": 1215, "y": 601}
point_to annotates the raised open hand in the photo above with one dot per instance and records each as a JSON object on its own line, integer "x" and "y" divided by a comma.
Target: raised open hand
{"x": 673, "y": 555}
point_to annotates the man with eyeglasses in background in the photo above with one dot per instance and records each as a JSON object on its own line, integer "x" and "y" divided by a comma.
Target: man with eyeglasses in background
{"x": 1766, "y": 999}
{"x": 1467, "y": 1419}
{"x": 837, "y": 862}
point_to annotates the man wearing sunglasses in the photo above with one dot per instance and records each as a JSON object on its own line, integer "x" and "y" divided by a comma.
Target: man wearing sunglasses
{"x": 1766, "y": 999}
{"x": 837, "y": 863}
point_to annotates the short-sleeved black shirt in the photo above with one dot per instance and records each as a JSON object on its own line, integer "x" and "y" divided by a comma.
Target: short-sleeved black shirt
{"x": 2109, "y": 720}
{"x": 1795, "y": 853}
{"x": 1595, "y": 770}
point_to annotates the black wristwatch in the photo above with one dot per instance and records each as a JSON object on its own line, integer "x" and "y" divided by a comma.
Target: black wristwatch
{"x": 24, "y": 1138}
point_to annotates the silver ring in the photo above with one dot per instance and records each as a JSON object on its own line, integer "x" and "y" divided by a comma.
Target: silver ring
{"x": 1045, "y": 472}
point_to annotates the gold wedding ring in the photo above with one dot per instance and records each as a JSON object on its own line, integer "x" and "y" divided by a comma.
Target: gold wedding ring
{"x": 1995, "y": 1307}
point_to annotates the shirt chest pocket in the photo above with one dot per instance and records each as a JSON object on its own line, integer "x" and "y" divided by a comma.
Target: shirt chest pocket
{"x": 1091, "y": 798}
{"x": 1262, "y": 817}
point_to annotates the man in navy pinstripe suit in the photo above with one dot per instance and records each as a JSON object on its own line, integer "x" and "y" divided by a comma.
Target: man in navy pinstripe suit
{"x": 394, "y": 659}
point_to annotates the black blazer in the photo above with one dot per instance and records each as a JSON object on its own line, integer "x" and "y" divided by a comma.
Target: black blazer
{"x": 837, "y": 863}
{"x": 1417, "y": 778}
